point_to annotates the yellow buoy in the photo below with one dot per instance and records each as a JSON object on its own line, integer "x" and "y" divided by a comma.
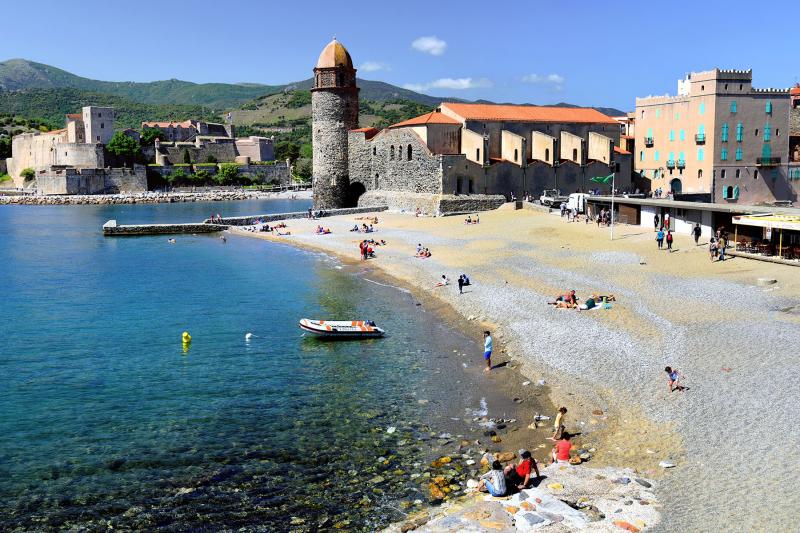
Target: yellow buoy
{"x": 186, "y": 337}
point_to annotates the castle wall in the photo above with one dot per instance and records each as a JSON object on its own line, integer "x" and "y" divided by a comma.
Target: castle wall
{"x": 172, "y": 153}
{"x": 60, "y": 180}
{"x": 334, "y": 113}
{"x": 373, "y": 164}
{"x": 40, "y": 151}
{"x": 256, "y": 148}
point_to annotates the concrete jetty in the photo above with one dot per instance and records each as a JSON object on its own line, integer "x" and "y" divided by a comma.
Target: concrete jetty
{"x": 113, "y": 229}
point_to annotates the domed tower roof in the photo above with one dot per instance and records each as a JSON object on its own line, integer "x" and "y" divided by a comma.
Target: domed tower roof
{"x": 334, "y": 55}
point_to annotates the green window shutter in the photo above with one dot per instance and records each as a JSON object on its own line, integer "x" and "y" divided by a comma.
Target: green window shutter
{"x": 739, "y": 154}
{"x": 702, "y": 108}
{"x": 768, "y": 107}
{"x": 767, "y": 132}
{"x": 682, "y": 135}
{"x": 655, "y": 156}
{"x": 700, "y": 154}
{"x": 736, "y": 192}
{"x": 733, "y": 106}
{"x": 739, "y": 132}
{"x": 650, "y": 133}
{"x": 671, "y": 135}
{"x": 725, "y": 132}
{"x": 723, "y": 154}
{"x": 641, "y": 155}
{"x": 658, "y": 112}
{"x": 766, "y": 151}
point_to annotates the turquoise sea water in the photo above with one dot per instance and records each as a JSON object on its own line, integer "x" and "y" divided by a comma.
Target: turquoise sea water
{"x": 105, "y": 419}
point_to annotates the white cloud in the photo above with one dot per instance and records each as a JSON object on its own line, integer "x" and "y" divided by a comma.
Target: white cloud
{"x": 373, "y": 66}
{"x": 555, "y": 81}
{"x": 430, "y": 45}
{"x": 456, "y": 84}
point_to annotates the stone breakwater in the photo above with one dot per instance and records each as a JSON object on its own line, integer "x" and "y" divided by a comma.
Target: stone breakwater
{"x": 145, "y": 198}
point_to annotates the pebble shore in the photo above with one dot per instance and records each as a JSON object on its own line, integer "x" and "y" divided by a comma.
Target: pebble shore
{"x": 711, "y": 321}
{"x": 149, "y": 197}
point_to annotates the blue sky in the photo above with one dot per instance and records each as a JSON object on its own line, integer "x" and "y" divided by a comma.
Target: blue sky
{"x": 583, "y": 52}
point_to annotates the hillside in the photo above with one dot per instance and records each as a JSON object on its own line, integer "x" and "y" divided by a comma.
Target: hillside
{"x": 21, "y": 74}
{"x": 50, "y": 105}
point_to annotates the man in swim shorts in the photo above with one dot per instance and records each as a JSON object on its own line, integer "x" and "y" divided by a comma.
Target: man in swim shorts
{"x": 487, "y": 350}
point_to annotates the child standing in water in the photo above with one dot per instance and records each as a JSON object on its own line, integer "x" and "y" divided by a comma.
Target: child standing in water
{"x": 558, "y": 424}
{"x": 487, "y": 350}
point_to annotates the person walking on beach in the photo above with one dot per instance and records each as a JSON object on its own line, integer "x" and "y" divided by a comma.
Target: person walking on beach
{"x": 674, "y": 379}
{"x": 656, "y": 220}
{"x": 487, "y": 350}
{"x": 696, "y": 231}
{"x": 660, "y": 238}
{"x": 712, "y": 247}
{"x": 669, "y": 240}
{"x": 461, "y": 284}
{"x": 721, "y": 244}
{"x": 558, "y": 424}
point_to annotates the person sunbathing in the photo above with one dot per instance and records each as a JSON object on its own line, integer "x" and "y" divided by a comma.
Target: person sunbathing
{"x": 567, "y": 297}
{"x": 563, "y": 304}
{"x": 590, "y": 303}
{"x": 604, "y": 297}
{"x": 354, "y": 228}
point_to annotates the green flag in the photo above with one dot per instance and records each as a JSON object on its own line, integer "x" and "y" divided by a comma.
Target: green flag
{"x": 603, "y": 179}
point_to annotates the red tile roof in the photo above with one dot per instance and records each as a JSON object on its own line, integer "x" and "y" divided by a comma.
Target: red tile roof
{"x": 528, "y": 113}
{"x": 369, "y": 133}
{"x": 434, "y": 117}
{"x": 619, "y": 150}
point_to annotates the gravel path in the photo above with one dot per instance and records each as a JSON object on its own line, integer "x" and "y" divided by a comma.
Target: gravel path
{"x": 736, "y": 343}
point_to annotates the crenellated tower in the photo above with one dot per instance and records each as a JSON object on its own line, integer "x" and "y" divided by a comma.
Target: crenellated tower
{"x": 334, "y": 112}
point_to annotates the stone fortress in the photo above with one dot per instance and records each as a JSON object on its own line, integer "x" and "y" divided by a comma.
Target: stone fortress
{"x": 207, "y": 140}
{"x": 460, "y": 157}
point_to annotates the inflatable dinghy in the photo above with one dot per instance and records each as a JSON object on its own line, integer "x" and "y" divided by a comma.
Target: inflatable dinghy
{"x": 346, "y": 329}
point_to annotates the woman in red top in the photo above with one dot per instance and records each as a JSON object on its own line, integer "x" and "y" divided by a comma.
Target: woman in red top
{"x": 561, "y": 449}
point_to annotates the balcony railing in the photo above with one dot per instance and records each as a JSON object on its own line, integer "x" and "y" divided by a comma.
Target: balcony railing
{"x": 700, "y": 138}
{"x": 648, "y": 142}
{"x": 681, "y": 163}
{"x": 768, "y": 161}
{"x": 670, "y": 163}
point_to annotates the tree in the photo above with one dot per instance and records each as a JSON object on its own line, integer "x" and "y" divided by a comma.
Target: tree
{"x": 186, "y": 157}
{"x": 211, "y": 159}
{"x": 303, "y": 169}
{"x": 123, "y": 146}
{"x": 5, "y": 147}
{"x": 201, "y": 176}
{"x": 28, "y": 173}
{"x": 149, "y": 135}
{"x": 228, "y": 172}
{"x": 287, "y": 150}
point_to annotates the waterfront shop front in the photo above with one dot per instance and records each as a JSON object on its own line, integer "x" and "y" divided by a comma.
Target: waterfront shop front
{"x": 774, "y": 236}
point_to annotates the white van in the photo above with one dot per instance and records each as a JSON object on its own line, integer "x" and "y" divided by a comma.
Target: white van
{"x": 577, "y": 200}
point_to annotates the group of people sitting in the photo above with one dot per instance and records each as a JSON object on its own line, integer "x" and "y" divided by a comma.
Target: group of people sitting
{"x": 363, "y": 229}
{"x": 422, "y": 253}
{"x": 568, "y": 300}
{"x": 499, "y": 481}
{"x": 323, "y": 231}
{"x": 216, "y": 219}
{"x": 315, "y": 214}
{"x": 470, "y": 220}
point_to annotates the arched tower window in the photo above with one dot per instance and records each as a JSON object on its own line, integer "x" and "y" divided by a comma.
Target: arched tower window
{"x": 575, "y": 154}
{"x": 391, "y": 153}
{"x": 516, "y": 154}
{"x": 409, "y": 153}
{"x": 547, "y": 154}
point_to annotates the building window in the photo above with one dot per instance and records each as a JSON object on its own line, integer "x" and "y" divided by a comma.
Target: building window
{"x": 408, "y": 153}
{"x": 726, "y": 86}
{"x": 725, "y": 132}
{"x": 702, "y": 87}
{"x": 516, "y": 154}
{"x": 768, "y": 107}
{"x": 738, "y": 173}
{"x": 478, "y": 154}
{"x": 547, "y": 154}
{"x": 722, "y": 174}
{"x": 733, "y": 104}
{"x": 700, "y": 154}
{"x": 641, "y": 155}
{"x": 376, "y": 181}
{"x": 755, "y": 174}
{"x": 767, "y": 132}
{"x": 699, "y": 174}
{"x": 65, "y": 154}
{"x": 102, "y": 126}
{"x": 736, "y": 192}
{"x": 98, "y": 138}
{"x": 777, "y": 132}
{"x": 682, "y": 135}
{"x": 739, "y": 132}
{"x": 766, "y": 151}
{"x": 755, "y": 133}
{"x": 471, "y": 186}
{"x": 642, "y": 113}
{"x": 727, "y": 192}
{"x": 575, "y": 154}
{"x": 702, "y": 108}
{"x": 739, "y": 154}
{"x": 391, "y": 153}
{"x": 723, "y": 154}
{"x": 99, "y": 115}
{"x": 655, "y": 156}
{"x": 671, "y": 135}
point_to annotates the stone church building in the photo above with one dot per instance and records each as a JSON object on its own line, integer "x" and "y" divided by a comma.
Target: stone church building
{"x": 460, "y": 157}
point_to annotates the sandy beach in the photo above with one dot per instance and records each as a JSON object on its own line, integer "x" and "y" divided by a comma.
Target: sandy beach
{"x": 733, "y": 434}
